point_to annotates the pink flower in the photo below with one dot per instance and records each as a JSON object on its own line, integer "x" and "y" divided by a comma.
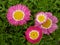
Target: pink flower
{"x": 18, "y": 15}
{"x": 49, "y": 25}
{"x": 33, "y": 34}
{"x": 41, "y": 17}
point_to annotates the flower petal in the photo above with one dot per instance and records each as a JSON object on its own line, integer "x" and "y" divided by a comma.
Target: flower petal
{"x": 45, "y": 31}
{"x": 22, "y": 22}
{"x": 13, "y": 22}
{"x": 49, "y": 14}
{"x": 54, "y": 19}
{"x": 53, "y": 28}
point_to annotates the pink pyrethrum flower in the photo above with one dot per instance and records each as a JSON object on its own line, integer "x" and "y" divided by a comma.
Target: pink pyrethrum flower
{"x": 49, "y": 25}
{"x": 18, "y": 14}
{"x": 41, "y": 17}
{"x": 33, "y": 34}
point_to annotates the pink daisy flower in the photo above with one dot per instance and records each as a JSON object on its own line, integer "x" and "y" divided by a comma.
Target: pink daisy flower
{"x": 49, "y": 25}
{"x": 33, "y": 34}
{"x": 18, "y": 14}
{"x": 41, "y": 17}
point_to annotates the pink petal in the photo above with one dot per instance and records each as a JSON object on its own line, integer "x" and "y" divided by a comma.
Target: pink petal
{"x": 49, "y": 14}
{"x": 54, "y": 19}
{"x": 13, "y": 22}
{"x": 36, "y": 23}
{"x": 53, "y": 28}
{"x": 22, "y": 22}
{"x": 44, "y": 31}
{"x": 27, "y": 18}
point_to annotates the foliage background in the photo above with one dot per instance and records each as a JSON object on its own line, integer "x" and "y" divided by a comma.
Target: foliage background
{"x": 14, "y": 35}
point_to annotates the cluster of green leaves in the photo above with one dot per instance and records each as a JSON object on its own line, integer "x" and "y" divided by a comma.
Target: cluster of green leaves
{"x": 14, "y": 35}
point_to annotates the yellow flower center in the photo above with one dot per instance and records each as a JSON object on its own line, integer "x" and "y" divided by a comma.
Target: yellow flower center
{"x": 34, "y": 34}
{"x": 41, "y": 18}
{"x": 18, "y": 15}
{"x": 47, "y": 24}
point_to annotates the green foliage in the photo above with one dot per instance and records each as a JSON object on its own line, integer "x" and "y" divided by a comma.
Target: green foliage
{"x": 14, "y": 35}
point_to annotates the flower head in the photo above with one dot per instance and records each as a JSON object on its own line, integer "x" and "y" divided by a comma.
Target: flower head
{"x": 41, "y": 17}
{"x": 18, "y": 14}
{"x": 49, "y": 25}
{"x": 33, "y": 34}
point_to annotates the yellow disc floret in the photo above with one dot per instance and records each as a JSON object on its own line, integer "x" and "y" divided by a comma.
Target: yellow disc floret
{"x": 34, "y": 34}
{"x": 47, "y": 24}
{"x": 18, "y": 15}
{"x": 41, "y": 18}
